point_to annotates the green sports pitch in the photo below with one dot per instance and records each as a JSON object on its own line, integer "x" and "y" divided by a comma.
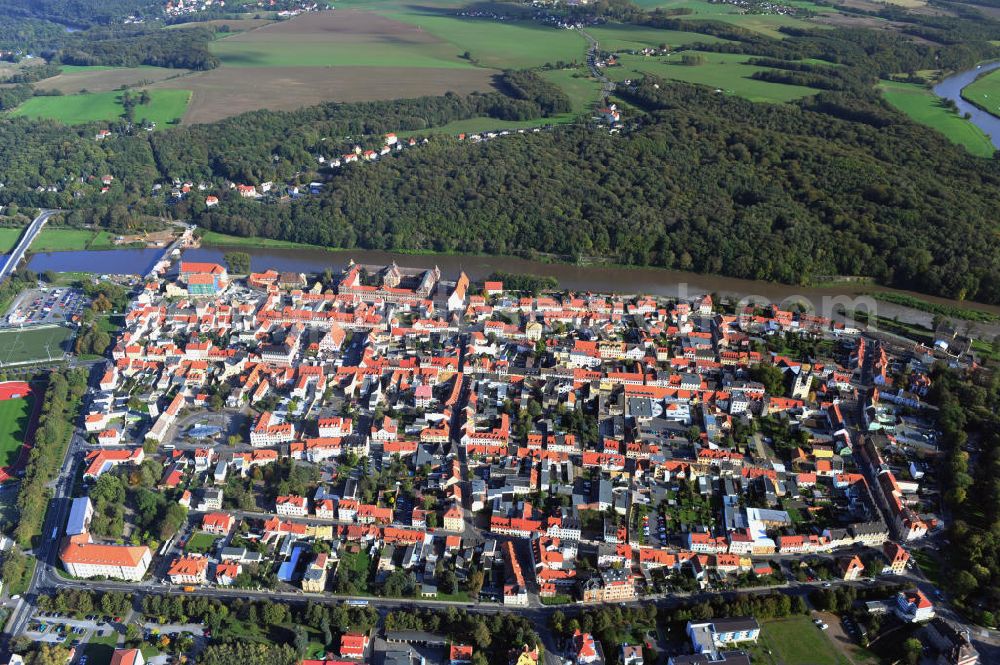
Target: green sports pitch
{"x": 35, "y": 344}
{"x": 14, "y": 416}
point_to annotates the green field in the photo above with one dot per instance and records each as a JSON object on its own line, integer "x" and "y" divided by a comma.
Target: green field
{"x": 697, "y": 7}
{"x": 72, "y": 69}
{"x": 727, "y": 72}
{"x": 201, "y": 542}
{"x": 62, "y": 240}
{"x": 486, "y": 124}
{"x": 795, "y": 641}
{"x": 165, "y": 107}
{"x": 984, "y": 92}
{"x": 614, "y": 37}
{"x": 507, "y": 45}
{"x": 14, "y": 415}
{"x": 923, "y": 106}
{"x": 583, "y": 90}
{"x": 213, "y": 238}
{"x": 9, "y": 238}
{"x": 25, "y": 345}
{"x": 765, "y": 24}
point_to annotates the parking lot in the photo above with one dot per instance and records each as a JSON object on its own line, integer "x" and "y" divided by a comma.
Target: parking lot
{"x": 45, "y": 305}
{"x": 45, "y": 627}
{"x": 95, "y": 636}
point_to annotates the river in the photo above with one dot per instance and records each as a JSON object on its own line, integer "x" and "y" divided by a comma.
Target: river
{"x": 951, "y": 88}
{"x": 599, "y": 279}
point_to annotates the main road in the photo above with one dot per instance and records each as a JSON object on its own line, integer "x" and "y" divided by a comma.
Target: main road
{"x": 22, "y": 246}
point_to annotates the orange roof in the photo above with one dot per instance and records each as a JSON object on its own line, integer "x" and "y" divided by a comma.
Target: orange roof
{"x": 188, "y": 566}
{"x": 126, "y": 657}
{"x": 80, "y": 552}
{"x": 196, "y": 267}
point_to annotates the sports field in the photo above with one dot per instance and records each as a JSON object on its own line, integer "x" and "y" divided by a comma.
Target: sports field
{"x": 923, "y": 106}
{"x": 165, "y": 106}
{"x": 14, "y": 415}
{"x": 25, "y": 345}
{"x": 984, "y": 92}
{"x": 727, "y": 72}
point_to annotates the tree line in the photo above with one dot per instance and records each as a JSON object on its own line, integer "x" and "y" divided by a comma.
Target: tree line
{"x": 969, "y": 420}
{"x": 62, "y": 394}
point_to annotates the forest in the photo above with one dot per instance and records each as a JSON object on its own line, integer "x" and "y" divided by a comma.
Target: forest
{"x": 118, "y": 47}
{"x": 969, "y": 420}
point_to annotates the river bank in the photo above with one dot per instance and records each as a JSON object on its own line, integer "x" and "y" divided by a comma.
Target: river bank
{"x": 951, "y": 87}
{"x": 907, "y": 307}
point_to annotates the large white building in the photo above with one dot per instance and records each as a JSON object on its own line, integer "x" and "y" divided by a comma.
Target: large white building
{"x": 84, "y": 559}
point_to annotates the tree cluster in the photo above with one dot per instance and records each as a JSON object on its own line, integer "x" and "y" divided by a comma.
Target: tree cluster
{"x": 969, "y": 411}
{"x": 62, "y": 395}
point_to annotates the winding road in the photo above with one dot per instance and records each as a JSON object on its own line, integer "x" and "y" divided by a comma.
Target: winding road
{"x": 593, "y": 51}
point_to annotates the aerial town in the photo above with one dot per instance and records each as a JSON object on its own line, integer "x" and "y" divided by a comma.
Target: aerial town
{"x": 383, "y": 433}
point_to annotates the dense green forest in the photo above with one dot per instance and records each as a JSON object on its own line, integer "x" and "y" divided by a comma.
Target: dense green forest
{"x": 969, "y": 420}
{"x": 130, "y": 48}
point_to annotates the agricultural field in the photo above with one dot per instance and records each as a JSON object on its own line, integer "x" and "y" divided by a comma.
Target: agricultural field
{"x": 341, "y": 55}
{"x": 25, "y": 345}
{"x": 14, "y": 416}
{"x": 76, "y": 79}
{"x": 765, "y": 24}
{"x": 63, "y": 240}
{"x": 343, "y": 38}
{"x": 984, "y": 92}
{"x": 500, "y": 45}
{"x": 165, "y": 107}
{"x": 727, "y": 72}
{"x": 923, "y": 106}
{"x": 615, "y": 37}
{"x": 379, "y": 50}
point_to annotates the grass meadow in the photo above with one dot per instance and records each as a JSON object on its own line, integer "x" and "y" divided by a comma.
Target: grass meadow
{"x": 165, "y": 107}
{"x": 984, "y": 92}
{"x": 727, "y": 72}
{"x": 923, "y": 106}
